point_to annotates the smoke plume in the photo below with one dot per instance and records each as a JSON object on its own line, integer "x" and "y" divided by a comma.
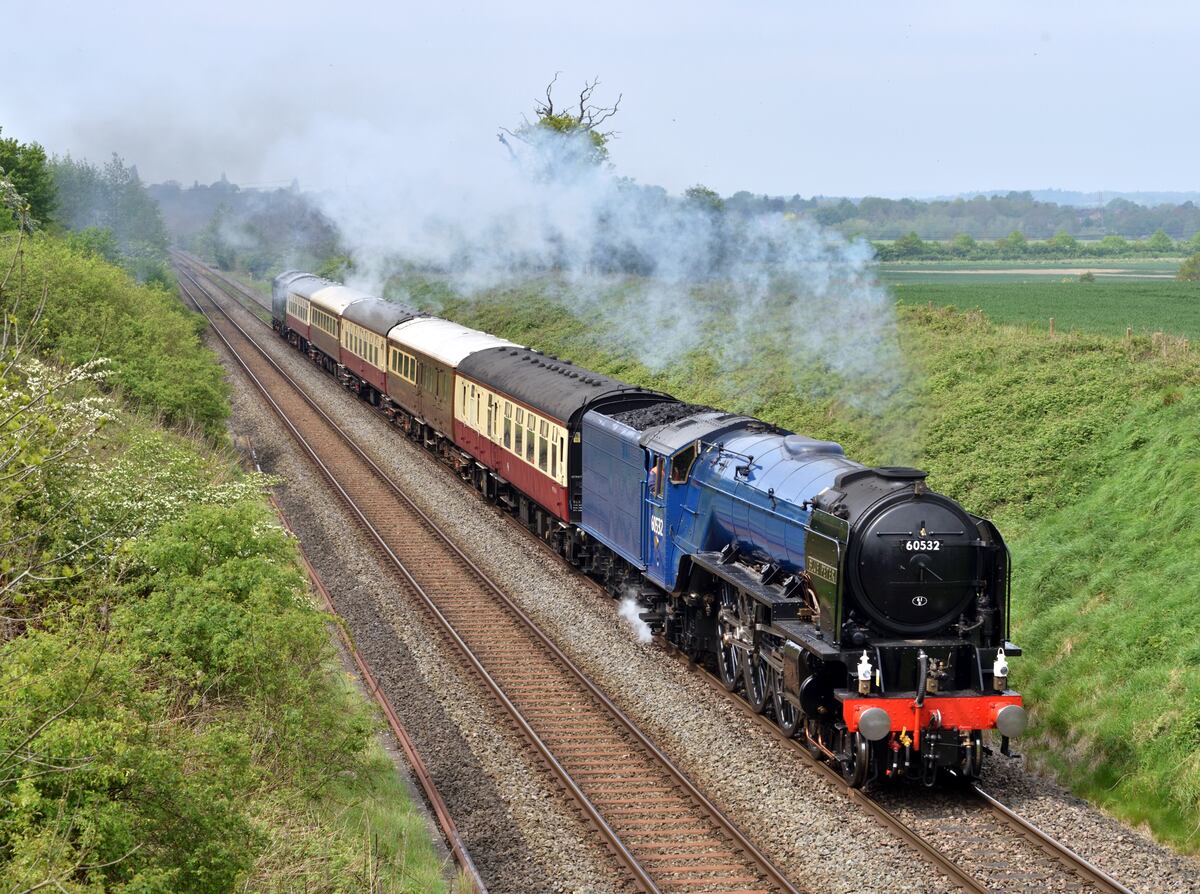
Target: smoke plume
{"x": 667, "y": 275}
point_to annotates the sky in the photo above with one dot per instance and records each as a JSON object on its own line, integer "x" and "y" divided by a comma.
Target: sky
{"x": 866, "y": 98}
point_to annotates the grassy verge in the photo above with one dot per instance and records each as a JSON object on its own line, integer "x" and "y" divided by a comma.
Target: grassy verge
{"x": 174, "y": 719}
{"x": 1082, "y": 447}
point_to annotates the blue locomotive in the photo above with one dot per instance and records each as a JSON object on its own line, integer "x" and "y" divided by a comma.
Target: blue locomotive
{"x": 867, "y": 613}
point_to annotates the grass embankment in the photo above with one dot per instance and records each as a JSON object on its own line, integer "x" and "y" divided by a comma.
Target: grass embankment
{"x": 174, "y": 718}
{"x": 1084, "y": 450}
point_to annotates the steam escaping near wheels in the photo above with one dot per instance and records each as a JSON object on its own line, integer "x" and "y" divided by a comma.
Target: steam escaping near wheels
{"x": 630, "y": 612}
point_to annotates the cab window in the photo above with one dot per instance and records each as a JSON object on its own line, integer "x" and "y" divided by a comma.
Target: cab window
{"x": 656, "y": 477}
{"x": 681, "y": 464}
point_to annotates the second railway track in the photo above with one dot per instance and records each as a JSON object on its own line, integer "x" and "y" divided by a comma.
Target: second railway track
{"x": 662, "y": 829}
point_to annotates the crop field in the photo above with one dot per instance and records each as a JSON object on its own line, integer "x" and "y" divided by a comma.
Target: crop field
{"x": 1105, "y": 306}
{"x": 905, "y": 272}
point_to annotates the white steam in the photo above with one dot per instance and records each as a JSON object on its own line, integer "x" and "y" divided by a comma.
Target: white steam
{"x": 629, "y": 611}
{"x": 665, "y": 275}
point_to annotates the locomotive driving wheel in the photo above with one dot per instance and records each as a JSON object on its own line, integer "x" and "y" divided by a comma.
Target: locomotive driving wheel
{"x": 787, "y": 715}
{"x": 729, "y": 656}
{"x": 758, "y": 679}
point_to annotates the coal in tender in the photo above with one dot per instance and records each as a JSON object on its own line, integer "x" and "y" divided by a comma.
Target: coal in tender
{"x": 660, "y": 414}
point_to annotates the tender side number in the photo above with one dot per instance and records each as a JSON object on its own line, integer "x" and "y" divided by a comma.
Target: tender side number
{"x": 922, "y": 546}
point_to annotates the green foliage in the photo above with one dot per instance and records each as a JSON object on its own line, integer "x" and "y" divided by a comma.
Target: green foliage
{"x": 983, "y": 217}
{"x": 1189, "y": 270}
{"x": 909, "y": 245}
{"x": 1083, "y": 449}
{"x": 113, "y": 198}
{"x": 97, "y": 241}
{"x": 963, "y": 245}
{"x": 94, "y": 309}
{"x": 1065, "y": 243}
{"x": 566, "y": 137}
{"x": 24, "y": 166}
{"x": 1087, "y": 276}
{"x": 705, "y": 198}
{"x": 1160, "y": 243}
{"x": 171, "y": 717}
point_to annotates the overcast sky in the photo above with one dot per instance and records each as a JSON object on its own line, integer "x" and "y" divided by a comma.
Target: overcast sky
{"x": 778, "y": 97}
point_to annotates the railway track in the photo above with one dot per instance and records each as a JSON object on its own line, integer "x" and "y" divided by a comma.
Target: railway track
{"x": 661, "y": 829}
{"x": 980, "y": 860}
{"x": 982, "y": 864}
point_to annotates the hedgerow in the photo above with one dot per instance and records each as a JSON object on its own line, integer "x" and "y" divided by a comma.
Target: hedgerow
{"x": 173, "y": 715}
{"x": 90, "y": 309}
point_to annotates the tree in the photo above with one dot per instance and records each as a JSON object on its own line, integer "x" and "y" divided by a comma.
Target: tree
{"x": 114, "y": 198}
{"x": 582, "y": 118}
{"x": 909, "y": 245}
{"x": 1113, "y": 246}
{"x": 26, "y": 168}
{"x": 963, "y": 245}
{"x": 704, "y": 198}
{"x": 1160, "y": 243}
{"x": 1014, "y": 244}
{"x": 1189, "y": 270}
{"x": 1064, "y": 243}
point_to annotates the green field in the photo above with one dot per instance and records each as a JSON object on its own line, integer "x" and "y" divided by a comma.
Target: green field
{"x": 903, "y": 272}
{"x": 1104, "y": 306}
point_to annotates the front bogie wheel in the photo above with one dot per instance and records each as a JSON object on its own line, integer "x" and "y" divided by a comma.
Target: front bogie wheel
{"x": 856, "y": 761}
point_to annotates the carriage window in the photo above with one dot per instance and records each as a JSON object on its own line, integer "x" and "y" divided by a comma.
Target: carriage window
{"x": 543, "y": 454}
{"x": 529, "y": 442}
{"x": 520, "y": 417}
{"x": 517, "y": 441}
{"x": 554, "y": 460}
{"x": 682, "y": 463}
{"x": 508, "y": 434}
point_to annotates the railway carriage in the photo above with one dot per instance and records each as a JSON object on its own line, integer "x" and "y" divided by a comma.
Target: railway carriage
{"x": 326, "y": 307}
{"x": 425, "y": 353}
{"x": 520, "y": 417}
{"x": 291, "y": 314}
{"x": 365, "y": 326}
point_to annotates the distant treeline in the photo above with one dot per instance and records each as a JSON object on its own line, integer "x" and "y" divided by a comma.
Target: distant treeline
{"x": 258, "y": 231}
{"x": 1015, "y": 246}
{"x": 983, "y": 217}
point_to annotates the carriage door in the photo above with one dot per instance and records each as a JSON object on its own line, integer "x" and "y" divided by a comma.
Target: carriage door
{"x": 656, "y": 525}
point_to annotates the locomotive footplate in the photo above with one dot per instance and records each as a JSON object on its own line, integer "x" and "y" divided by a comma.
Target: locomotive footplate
{"x": 946, "y": 711}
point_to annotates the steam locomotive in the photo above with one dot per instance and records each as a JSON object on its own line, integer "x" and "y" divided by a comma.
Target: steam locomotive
{"x": 866, "y": 613}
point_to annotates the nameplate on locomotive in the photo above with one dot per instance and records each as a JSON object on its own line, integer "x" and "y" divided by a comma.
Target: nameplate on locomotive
{"x": 820, "y": 569}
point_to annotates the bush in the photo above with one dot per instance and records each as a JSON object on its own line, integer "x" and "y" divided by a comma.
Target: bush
{"x": 94, "y": 309}
{"x": 1189, "y": 270}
